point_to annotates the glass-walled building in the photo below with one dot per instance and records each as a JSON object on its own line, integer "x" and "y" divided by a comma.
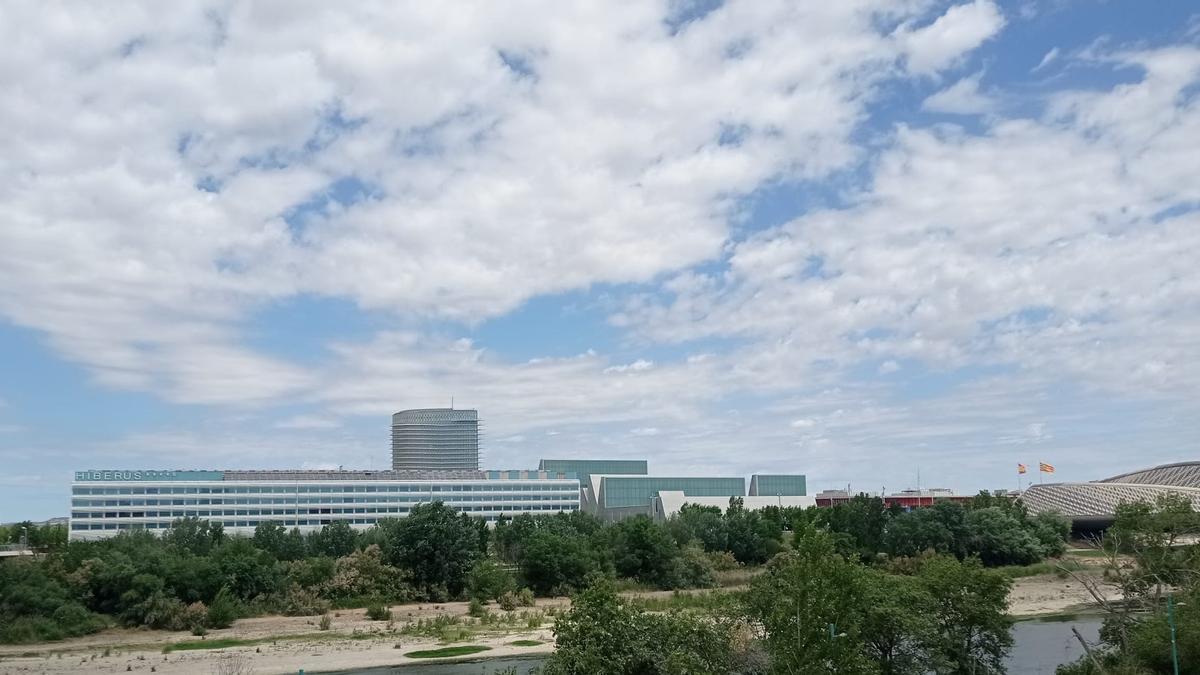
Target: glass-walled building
{"x": 104, "y": 503}
{"x": 435, "y": 439}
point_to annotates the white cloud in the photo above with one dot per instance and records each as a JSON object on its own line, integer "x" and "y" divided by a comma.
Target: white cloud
{"x": 961, "y": 98}
{"x": 1052, "y": 244}
{"x": 152, "y": 158}
{"x": 937, "y": 46}
{"x": 1050, "y": 57}
{"x": 888, "y": 367}
{"x": 308, "y": 422}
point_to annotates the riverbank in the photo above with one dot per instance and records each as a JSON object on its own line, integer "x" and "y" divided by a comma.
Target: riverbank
{"x": 278, "y": 644}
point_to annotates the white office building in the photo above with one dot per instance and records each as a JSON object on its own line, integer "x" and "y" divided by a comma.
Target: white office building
{"x": 105, "y": 502}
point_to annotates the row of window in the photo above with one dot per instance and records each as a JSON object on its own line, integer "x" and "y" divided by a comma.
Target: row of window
{"x": 300, "y": 522}
{"x": 414, "y": 499}
{"x": 202, "y": 513}
{"x": 495, "y": 486}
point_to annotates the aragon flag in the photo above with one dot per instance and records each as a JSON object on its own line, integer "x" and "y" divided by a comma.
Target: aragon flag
{"x": 1045, "y": 468}
{"x": 1021, "y": 468}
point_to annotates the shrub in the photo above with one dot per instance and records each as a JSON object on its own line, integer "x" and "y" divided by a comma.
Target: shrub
{"x": 723, "y": 561}
{"x": 488, "y": 580}
{"x": 508, "y": 601}
{"x": 525, "y": 597}
{"x": 475, "y": 609}
{"x": 303, "y": 602}
{"x": 199, "y": 630}
{"x": 377, "y": 612}
{"x": 325, "y": 622}
{"x": 223, "y": 610}
{"x": 193, "y": 617}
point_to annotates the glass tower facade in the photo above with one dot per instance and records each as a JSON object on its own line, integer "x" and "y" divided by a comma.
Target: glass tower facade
{"x": 435, "y": 439}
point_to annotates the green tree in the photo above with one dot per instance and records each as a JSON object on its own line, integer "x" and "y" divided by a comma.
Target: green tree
{"x": 603, "y": 634}
{"x": 488, "y": 580}
{"x": 800, "y": 595}
{"x": 552, "y": 562}
{"x": 270, "y": 536}
{"x": 970, "y": 604}
{"x": 436, "y": 544}
{"x": 247, "y": 571}
{"x": 334, "y": 540}
{"x": 898, "y": 626}
{"x": 703, "y": 524}
{"x": 643, "y": 550}
{"x": 1000, "y": 538}
{"x": 752, "y": 539}
{"x": 195, "y": 536}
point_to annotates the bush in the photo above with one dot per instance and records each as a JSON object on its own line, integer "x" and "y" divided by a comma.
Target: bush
{"x": 475, "y": 609}
{"x": 193, "y": 616}
{"x": 325, "y": 622}
{"x": 508, "y": 601}
{"x": 377, "y": 612}
{"x": 525, "y": 597}
{"x": 303, "y": 602}
{"x": 199, "y": 631}
{"x": 488, "y": 580}
{"x": 223, "y": 610}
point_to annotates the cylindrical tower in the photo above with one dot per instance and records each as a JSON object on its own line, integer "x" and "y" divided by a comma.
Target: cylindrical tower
{"x": 432, "y": 439}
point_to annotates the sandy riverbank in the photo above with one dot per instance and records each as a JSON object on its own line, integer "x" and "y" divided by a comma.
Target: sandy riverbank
{"x": 357, "y": 642}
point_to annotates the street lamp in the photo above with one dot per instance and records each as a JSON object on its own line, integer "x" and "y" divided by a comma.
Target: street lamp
{"x": 24, "y": 537}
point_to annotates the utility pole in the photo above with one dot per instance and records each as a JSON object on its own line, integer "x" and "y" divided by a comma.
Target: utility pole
{"x": 1171, "y": 621}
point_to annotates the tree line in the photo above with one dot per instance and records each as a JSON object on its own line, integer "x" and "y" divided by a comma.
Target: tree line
{"x": 195, "y": 577}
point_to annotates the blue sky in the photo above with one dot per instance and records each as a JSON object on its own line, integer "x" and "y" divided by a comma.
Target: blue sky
{"x": 845, "y": 241}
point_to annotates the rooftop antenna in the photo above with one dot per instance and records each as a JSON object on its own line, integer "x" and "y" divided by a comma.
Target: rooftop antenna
{"x": 452, "y": 402}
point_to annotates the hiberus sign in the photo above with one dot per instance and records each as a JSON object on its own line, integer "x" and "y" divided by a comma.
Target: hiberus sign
{"x": 111, "y": 475}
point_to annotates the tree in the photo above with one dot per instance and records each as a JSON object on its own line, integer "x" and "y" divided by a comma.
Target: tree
{"x": 643, "y": 550}
{"x": 195, "y": 536}
{"x": 555, "y": 563}
{"x": 970, "y": 605}
{"x": 752, "y": 539}
{"x": 247, "y": 571}
{"x": 334, "y": 540}
{"x": 489, "y": 580}
{"x": 800, "y": 596}
{"x": 703, "y": 524}
{"x": 436, "y": 544}
{"x": 271, "y": 537}
{"x": 899, "y": 628}
{"x": 603, "y": 634}
{"x": 999, "y": 538}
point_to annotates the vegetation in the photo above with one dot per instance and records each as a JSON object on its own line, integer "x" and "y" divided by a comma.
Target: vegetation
{"x": 443, "y": 652}
{"x": 195, "y": 577}
{"x": 604, "y": 634}
{"x": 1152, "y": 564}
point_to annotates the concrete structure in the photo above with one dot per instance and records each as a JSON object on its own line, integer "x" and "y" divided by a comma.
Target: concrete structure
{"x": 584, "y": 468}
{"x": 1093, "y": 505}
{"x": 435, "y": 439}
{"x": 104, "y": 503}
{"x": 668, "y": 502}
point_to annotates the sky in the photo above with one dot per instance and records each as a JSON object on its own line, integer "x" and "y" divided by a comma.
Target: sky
{"x": 856, "y": 240}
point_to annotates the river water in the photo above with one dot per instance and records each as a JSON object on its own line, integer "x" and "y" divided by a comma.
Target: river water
{"x": 1038, "y": 648}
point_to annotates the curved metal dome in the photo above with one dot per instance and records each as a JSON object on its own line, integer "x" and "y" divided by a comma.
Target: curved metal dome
{"x": 1095, "y": 504}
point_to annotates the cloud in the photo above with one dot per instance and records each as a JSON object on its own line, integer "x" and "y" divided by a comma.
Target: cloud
{"x": 961, "y": 98}
{"x": 308, "y": 422}
{"x": 937, "y": 46}
{"x": 1050, "y": 57}
{"x": 1061, "y": 244}
{"x": 167, "y": 198}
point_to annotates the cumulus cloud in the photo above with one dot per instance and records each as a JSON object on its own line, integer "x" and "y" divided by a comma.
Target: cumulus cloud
{"x": 934, "y": 47}
{"x": 1062, "y": 244}
{"x": 961, "y": 98}
{"x": 169, "y": 172}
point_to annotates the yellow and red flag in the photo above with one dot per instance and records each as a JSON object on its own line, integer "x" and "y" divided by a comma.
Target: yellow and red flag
{"x": 1021, "y": 468}
{"x": 1045, "y": 468}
